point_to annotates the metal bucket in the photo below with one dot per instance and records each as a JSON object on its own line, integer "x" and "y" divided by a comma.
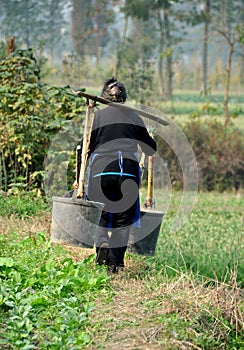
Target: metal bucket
{"x": 144, "y": 240}
{"x": 75, "y": 221}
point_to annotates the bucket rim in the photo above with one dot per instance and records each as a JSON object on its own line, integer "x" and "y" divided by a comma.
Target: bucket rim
{"x": 77, "y": 201}
{"x": 151, "y": 211}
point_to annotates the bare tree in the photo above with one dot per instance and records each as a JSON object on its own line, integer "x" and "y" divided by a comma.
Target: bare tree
{"x": 231, "y": 43}
{"x": 229, "y": 18}
{"x": 206, "y": 13}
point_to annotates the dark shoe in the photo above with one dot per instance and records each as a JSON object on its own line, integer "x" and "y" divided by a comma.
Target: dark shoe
{"x": 112, "y": 269}
{"x": 116, "y": 256}
{"x": 102, "y": 253}
{"x": 115, "y": 269}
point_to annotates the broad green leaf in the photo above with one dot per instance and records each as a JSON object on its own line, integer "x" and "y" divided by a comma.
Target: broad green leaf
{"x": 8, "y": 262}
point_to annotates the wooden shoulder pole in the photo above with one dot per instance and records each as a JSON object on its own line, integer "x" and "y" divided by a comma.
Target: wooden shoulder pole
{"x": 149, "y": 200}
{"x": 85, "y": 148}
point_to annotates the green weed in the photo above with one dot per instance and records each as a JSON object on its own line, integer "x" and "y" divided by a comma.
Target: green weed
{"x": 23, "y": 205}
{"x": 46, "y": 298}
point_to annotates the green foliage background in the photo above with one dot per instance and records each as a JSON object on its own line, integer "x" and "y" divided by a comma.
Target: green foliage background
{"x": 31, "y": 113}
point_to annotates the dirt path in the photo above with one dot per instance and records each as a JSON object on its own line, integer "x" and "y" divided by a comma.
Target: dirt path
{"x": 147, "y": 313}
{"x": 136, "y": 317}
{"x": 127, "y": 322}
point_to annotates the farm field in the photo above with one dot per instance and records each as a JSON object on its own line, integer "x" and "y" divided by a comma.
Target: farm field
{"x": 187, "y": 104}
{"x": 188, "y": 296}
{"x": 179, "y": 62}
{"x": 190, "y": 104}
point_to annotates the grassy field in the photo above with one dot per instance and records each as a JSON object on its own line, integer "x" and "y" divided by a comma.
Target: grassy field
{"x": 188, "y": 296}
{"x": 192, "y": 102}
{"x": 211, "y": 242}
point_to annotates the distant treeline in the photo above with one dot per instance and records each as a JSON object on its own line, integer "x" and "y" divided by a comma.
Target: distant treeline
{"x": 153, "y": 46}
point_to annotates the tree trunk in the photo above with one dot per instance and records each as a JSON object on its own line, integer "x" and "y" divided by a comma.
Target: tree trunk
{"x": 51, "y": 56}
{"x": 10, "y": 46}
{"x": 121, "y": 47}
{"x": 169, "y": 71}
{"x": 205, "y": 46}
{"x": 160, "y": 56}
{"x": 227, "y": 83}
{"x": 80, "y": 25}
{"x": 5, "y": 174}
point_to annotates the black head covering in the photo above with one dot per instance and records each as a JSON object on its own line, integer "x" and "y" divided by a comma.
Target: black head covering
{"x": 114, "y": 90}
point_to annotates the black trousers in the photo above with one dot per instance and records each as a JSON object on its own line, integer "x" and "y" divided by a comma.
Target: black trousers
{"x": 120, "y": 194}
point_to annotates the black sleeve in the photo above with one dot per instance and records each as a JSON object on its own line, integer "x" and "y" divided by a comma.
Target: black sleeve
{"x": 146, "y": 142}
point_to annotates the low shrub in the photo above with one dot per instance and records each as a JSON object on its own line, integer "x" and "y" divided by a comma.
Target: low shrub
{"x": 31, "y": 114}
{"x": 219, "y": 154}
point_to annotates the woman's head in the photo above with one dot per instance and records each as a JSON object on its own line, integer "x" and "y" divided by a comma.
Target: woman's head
{"x": 114, "y": 90}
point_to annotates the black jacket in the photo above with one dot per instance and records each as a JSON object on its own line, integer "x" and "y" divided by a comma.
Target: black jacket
{"x": 117, "y": 130}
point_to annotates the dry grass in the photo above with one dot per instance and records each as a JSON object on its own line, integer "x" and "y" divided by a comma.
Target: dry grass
{"x": 145, "y": 314}
{"x": 28, "y": 226}
{"x": 31, "y": 226}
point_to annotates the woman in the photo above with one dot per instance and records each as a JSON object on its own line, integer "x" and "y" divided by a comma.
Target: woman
{"x": 114, "y": 176}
